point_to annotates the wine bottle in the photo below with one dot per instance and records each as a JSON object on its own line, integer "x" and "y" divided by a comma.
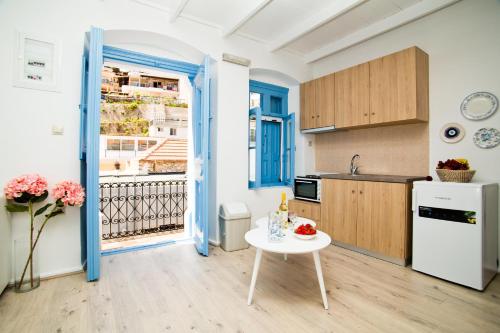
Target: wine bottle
{"x": 283, "y": 210}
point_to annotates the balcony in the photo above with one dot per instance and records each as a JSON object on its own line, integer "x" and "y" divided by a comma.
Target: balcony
{"x": 141, "y": 205}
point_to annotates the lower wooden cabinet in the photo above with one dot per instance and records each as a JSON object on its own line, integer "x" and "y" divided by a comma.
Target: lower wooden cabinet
{"x": 307, "y": 209}
{"x": 373, "y": 216}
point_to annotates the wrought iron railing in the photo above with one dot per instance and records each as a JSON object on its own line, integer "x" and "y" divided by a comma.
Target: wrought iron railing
{"x": 141, "y": 206}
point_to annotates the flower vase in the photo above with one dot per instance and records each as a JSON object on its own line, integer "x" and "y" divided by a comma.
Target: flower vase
{"x": 31, "y": 278}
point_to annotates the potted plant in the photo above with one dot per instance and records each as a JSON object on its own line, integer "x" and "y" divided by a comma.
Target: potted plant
{"x": 27, "y": 193}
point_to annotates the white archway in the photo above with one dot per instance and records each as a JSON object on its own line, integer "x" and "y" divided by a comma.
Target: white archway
{"x": 273, "y": 76}
{"x": 153, "y": 43}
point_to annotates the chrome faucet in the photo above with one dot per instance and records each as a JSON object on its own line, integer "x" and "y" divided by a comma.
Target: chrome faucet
{"x": 353, "y": 168}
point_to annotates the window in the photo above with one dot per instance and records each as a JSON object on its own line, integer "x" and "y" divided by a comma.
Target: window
{"x": 128, "y": 145}
{"x": 113, "y": 144}
{"x": 142, "y": 145}
{"x": 173, "y": 131}
{"x": 271, "y": 146}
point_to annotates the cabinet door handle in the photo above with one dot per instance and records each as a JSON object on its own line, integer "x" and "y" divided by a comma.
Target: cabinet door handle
{"x": 317, "y": 116}
{"x": 366, "y": 114}
{"x": 360, "y": 192}
{"x": 373, "y": 113}
{"x": 353, "y": 191}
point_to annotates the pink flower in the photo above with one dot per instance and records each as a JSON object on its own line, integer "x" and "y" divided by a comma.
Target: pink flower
{"x": 70, "y": 193}
{"x": 33, "y": 184}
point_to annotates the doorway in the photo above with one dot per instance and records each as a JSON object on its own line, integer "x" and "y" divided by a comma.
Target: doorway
{"x": 145, "y": 150}
{"x": 95, "y": 55}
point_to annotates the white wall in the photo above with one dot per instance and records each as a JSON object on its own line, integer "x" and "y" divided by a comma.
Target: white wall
{"x": 463, "y": 43}
{"x": 27, "y": 116}
{"x": 232, "y": 143}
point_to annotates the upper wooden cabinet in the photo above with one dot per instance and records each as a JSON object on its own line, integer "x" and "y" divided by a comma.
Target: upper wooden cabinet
{"x": 308, "y": 105}
{"x": 325, "y": 102}
{"x": 399, "y": 87}
{"x": 317, "y": 103}
{"x": 352, "y": 96}
{"x": 389, "y": 90}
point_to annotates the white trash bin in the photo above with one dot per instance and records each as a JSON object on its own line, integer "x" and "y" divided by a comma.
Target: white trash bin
{"x": 234, "y": 222}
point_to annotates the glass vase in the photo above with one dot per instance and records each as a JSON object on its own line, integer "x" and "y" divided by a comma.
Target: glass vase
{"x": 274, "y": 228}
{"x": 26, "y": 271}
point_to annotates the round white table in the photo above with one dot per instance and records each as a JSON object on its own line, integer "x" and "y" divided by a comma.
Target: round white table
{"x": 289, "y": 245}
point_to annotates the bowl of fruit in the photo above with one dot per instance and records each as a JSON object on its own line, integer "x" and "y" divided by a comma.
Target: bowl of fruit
{"x": 455, "y": 170}
{"x": 305, "y": 230}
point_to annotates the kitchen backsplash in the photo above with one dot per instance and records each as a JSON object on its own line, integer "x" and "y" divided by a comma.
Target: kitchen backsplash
{"x": 389, "y": 150}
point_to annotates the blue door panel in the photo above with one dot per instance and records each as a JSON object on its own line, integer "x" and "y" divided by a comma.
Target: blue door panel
{"x": 89, "y": 150}
{"x": 201, "y": 132}
{"x": 271, "y": 143}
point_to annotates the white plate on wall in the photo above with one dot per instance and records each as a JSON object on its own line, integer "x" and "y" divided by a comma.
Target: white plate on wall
{"x": 486, "y": 138}
{"x": 479, "y": 105}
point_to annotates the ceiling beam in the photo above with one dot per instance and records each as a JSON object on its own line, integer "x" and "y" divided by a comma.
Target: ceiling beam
{"x": 421, "y": 9}
{"x": 178, "y": 11}
{"x": 323, "y": 16}
{"x": 240, "y": 20}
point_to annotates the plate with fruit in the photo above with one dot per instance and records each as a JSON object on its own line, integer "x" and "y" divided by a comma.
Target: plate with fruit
{"x": 305, "y": 230}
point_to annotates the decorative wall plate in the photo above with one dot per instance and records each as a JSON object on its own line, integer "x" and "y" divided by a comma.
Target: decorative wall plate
{"x": 452, "y": 133}
{"x": 479, "y": 105}
{"x": 487, "y": 138}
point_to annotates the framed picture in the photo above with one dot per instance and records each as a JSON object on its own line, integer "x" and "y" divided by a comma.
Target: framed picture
{"x": 37, "y": 62}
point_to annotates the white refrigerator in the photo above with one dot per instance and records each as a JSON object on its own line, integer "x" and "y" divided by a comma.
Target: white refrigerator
{"x": 455, "y": 231}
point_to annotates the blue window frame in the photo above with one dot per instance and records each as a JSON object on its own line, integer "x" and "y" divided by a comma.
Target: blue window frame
{"x": 271, "y": 148}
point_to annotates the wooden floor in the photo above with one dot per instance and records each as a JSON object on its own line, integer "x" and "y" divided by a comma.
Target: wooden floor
{"x": 173, "y": 289}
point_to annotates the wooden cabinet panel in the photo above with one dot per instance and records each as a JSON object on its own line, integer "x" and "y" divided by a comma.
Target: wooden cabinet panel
{"x": 388, "y": 209}
{"x": 339, "y": 209}
{"x": 374, "y": 216}
{"x": 325, "y": 102}
{"x": 309, "y": 210}
{"x": 307, "y": 105}
{"x": 394, "y": 96}
{"x": 352, "y": 96}
{"x": 366, "y": 197}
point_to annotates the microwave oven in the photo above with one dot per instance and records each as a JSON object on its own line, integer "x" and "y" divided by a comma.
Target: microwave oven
{"x": 307, "y": 188}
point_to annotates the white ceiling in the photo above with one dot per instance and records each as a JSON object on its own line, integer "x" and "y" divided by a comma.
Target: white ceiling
{"x": 312, "y": 29}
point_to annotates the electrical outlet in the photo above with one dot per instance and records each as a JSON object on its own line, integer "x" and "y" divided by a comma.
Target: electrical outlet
{"x": 57, "y": 130}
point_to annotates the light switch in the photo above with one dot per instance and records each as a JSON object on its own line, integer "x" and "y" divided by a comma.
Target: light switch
{"x": 57, "y": 130}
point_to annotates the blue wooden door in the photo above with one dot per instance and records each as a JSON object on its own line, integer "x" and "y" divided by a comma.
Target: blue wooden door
{"x": 89, "y": 151}
{"x": 201, "y": 143}
{"x": 271, "y": 155}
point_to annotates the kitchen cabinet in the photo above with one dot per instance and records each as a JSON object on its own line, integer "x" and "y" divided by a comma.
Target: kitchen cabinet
{"x": 317, "y": 103}
{"x": 352, "y": 96}
{"x": 307, "y": 105}
{"x": 371, "y": 216}
{"x": 393, "y": 89}
{"x": 339, "y": 203}
{"x": 325, "y": 102}
{"x": 307, "y": 209}
{"x": 399, "y": 87}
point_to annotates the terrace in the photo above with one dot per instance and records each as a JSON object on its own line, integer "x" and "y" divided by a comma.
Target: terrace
{"x": 143, "y": 205}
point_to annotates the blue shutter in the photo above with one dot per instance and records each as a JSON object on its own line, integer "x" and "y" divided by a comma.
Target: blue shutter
{"x": 258, "y": 148}
{"x": 289, "y": 149}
